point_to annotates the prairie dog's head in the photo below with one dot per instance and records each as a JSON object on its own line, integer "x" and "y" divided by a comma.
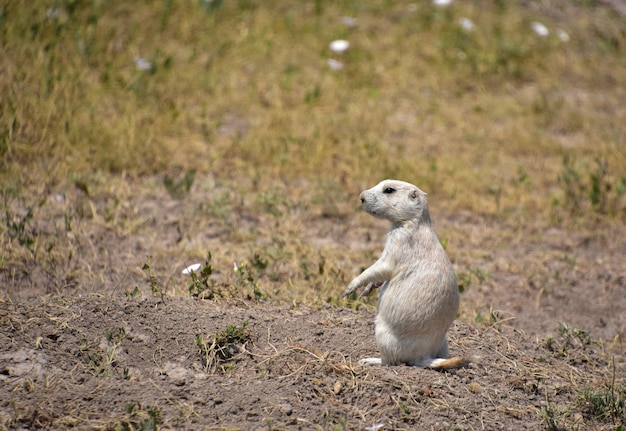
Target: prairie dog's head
{"x": 396, "y": 201}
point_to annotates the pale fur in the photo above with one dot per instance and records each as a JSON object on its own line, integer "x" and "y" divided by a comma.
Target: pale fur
{"x": 419, "y": 296}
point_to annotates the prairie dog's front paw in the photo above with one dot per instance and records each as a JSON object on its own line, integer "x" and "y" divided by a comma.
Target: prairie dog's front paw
{"x": 369, "y": 288}
{"x": 350, "y": 289}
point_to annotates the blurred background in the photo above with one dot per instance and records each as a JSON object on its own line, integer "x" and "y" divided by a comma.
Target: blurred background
{"x": 151, "y": 133}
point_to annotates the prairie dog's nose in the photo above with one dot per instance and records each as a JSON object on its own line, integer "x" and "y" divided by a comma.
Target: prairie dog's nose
{"x": 362, "y": 198}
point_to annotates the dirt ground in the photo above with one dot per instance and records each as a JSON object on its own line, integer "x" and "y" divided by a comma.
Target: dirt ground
{"x": 541, "y": 317}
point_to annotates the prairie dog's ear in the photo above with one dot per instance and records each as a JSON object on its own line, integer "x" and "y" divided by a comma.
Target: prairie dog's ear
{"x": 413, "y": 194}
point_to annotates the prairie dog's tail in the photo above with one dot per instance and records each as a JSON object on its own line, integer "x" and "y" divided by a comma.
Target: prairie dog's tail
{"x": 447, "y": 364}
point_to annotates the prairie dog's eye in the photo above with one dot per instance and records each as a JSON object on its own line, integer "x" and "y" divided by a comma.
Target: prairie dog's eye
{"x": 389, "y": 190}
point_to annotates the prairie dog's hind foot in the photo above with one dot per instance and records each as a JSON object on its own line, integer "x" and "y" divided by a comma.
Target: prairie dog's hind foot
{"x": 371, "y": 361}
{"x": 435, "y": 364}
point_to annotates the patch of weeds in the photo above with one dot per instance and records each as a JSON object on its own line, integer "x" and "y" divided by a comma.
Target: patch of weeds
{"x": 313, "y": 95}
{"x": 135, "y": 293}
{"x": 598, "y": 189}
{"x": 550, "y": 344}
{"x": 115, "y": 337}
{"x": 573, "y": 335}
{"x": 219, "y": 206}
{"x": 223, "y": 347}
{"x": 140, "y": 420}
{"x": 200, "y": 281}
{"x": 111, "y": 210}
{"x": 493, "y": 318}
{"x": 18, "y": 228}
{"x": 309, "y": 273}
{"x": 522, "y": 177}
{"x": 572, "y": 183}
{"x": 600, "y": 186}
{"x": 607, "y": 404}
{"x": 551, "y": 416}
{"x": 464, "y": 279}
{"x": 101, "y": 357}
{"x": 210, "y": 5}
{"x": 259, "y": 262}
{"x": 181, "y": 187}
{"x": 272, "y": 202}
{"x": 95, "y": 359}
{"x": 154, "y": 283}
{"x": 246, "y": 280}
{"x": 570, "y": 339}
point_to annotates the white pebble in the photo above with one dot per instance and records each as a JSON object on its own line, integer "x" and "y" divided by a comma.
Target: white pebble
{"x": 192, "y": 268}
{"x": 466, "y": 24}
{"x": 540, "y": 29}
{"x": 334, "y": 64}
{"x": 339, "y": 46}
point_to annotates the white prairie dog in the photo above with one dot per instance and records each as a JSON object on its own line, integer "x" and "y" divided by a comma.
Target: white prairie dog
{"x": 419, "y": 296}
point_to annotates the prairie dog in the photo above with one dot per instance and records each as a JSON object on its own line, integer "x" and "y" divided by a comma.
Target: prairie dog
{"x": 419, "y": 296}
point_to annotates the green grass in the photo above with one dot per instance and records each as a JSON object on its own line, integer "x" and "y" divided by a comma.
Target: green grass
{"x": 218, "y": 351}
{"x": 242, "y": 90}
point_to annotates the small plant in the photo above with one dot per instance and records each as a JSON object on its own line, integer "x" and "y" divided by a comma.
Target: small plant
{"x": 551, "y": 415}
{"x": 245, "y": 279}
{"x": 465, "y": 278}
{"x": 115, "y": 337}
{"x": 272, "y": 202}
{"x": 259, "y": 262}
{"x": 607, "y": 404}
{"x": 101, "y": 357}
{"x": 570, "y": 334}
{"x": 210, "y": 5}
{"x": 602, "y": 192}
{"x": 494, "y": 318}
{"x": 522, "y": 177}
{"x": 179, "y": 188}
{"x": 223, "y": 347}
{"x": 574, "y": 188}
{"x": 154, "y": 283}
{"x": 138, "y": 419}
{"x": 111, "y": 210}
{"x": 135, "y": 293}
{"x": 549, "y": 343}
{"x": 200, "y": 281}
{"x": 18, "y": 227}
{"x": 94, "y": 356}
